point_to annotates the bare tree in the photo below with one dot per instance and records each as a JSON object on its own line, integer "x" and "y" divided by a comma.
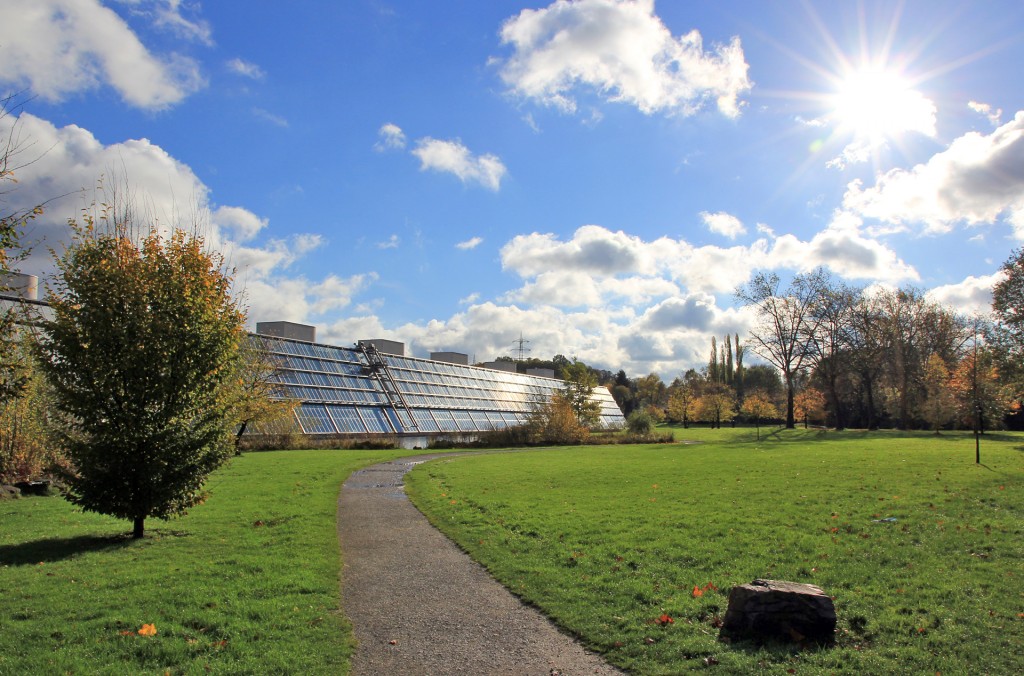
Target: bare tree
{"x": 833, "y": 316}
{"x": 866, "y": 349}
{"x": 785, "y": 323}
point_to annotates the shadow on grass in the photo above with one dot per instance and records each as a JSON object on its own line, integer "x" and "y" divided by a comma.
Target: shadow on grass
{"x": 50, "y": 550}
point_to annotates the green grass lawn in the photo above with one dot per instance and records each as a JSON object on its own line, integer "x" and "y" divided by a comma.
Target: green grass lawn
{"x": 606, "y": 540}
{"x": 247, "y": 583}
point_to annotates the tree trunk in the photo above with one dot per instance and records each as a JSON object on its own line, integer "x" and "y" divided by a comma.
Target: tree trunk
{"x": 869, "y": 391}
{"x": 238, "y": 437}
{"x": 977, "y": 438}
{"x": 837, "y": 412}
{"x": 790, "y": 406}
{"x": 139, "y": 527}
{"x": 904, "y": 400}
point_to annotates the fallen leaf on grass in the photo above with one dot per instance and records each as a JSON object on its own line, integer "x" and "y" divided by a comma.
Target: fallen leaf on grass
{"x": 698, "y": 591}
{"x": 148, "y": 630}
{"x": 664, "y": 619}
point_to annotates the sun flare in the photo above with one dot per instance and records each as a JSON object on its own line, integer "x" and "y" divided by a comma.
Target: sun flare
{"x": 878, "y": 104}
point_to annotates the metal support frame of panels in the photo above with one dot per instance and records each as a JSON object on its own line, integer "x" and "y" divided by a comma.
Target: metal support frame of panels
{"x": 377, "y": 368}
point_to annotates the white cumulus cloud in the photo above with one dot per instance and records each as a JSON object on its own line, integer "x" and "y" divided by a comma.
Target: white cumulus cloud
{"x": 166, "y": 192}
{"x": 241, "y": 222}
{"x": 971, "y": 297}
{"x": 977, "y": 179}
{"x": 621, "y": 50}
{"x": 994, "y": 115}
{"x": 62, "y": 47}
{"x": 454, "y": 158}
{"x": 471, "y": 243}
{"x": 390, "y": 137}
{"x": 846, "y": 250}
{"x": 723, "y": 224}
{"x": 593, "y": 249}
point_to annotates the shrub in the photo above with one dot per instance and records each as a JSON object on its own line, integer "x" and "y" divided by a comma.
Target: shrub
{"x": 640, "y": 423}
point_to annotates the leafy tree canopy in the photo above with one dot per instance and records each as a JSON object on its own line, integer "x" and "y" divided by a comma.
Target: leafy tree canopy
{"x": 144, "y": 338}
{"x": 580, "y": 381}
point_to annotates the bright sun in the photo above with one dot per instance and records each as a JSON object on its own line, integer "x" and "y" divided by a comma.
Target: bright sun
{"x": 878, "y": 104}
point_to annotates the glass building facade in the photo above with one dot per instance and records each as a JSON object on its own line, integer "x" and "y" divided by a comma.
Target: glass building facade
{"x": 358, "y": 390}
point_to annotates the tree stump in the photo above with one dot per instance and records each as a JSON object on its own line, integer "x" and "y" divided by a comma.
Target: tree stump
{"x": 782, "y": 611}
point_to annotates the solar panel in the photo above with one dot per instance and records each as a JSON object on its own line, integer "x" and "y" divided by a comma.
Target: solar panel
{"x": 340, "y": 392}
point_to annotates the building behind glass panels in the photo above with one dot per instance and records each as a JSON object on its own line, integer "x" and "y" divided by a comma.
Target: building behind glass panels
{"x": 372, "y": 388}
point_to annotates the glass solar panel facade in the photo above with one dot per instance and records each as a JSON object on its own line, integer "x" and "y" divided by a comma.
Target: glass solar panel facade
{"x": 343, "y": 390}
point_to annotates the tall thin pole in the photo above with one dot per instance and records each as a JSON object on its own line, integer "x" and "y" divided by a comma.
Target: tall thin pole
{"x": 977, "y": 400}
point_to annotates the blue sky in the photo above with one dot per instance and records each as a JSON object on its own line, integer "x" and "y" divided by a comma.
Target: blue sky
{"x": 596, "y": 175}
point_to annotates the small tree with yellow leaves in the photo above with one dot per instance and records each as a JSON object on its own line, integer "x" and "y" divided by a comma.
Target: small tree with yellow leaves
{"x": 759, "y": 406}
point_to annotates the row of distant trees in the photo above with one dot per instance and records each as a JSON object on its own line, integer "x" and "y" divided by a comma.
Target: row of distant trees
{"x": 714, "y": 395}
{"x": 840, "y": 356}
{"x": 887, "y": 358}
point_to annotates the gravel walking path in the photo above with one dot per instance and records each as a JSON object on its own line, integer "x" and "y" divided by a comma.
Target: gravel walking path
{"x": 419, "y": 605}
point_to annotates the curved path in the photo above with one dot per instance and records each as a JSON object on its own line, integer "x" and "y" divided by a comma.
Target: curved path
{"x": 419, "y": 605}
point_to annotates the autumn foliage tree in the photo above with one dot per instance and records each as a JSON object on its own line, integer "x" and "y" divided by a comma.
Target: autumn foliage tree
{"x": 26, "y": 451}
{"x": 939, "y": 405}
{"x": 759, "y": 406}
{"x": 681, "y": 398}
{"x": 716, "y": 404}
{"x": 255, "y": 395}
{"x": 555, "y": 422}
{"x": 144, "y": 338}
{"x": 980, "y": 396}
{"x": 578, "y": 389}
{"x": 809, "y": 404}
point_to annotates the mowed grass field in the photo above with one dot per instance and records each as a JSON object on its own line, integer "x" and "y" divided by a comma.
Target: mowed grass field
{"x": 247, "y": 583}
{"x": 607, "y": 540}
{"x": 922, "y": 549}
